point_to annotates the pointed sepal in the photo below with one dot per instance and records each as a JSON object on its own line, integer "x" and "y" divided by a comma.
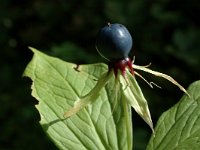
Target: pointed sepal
{"x": 162, "y": 75}
{"x": 135, "y": 97}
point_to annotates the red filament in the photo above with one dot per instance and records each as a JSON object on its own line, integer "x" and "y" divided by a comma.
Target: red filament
{"x": 121, "y": 65}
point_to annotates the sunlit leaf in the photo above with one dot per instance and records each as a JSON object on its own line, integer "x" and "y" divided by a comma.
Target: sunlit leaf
{"x": 102, "y": 125}
{"x": 179, "y": 127}
{"x": 90, "y": 97}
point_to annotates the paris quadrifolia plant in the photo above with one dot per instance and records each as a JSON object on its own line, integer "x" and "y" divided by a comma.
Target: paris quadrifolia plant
{"x": 114, "y": 43}
{"x": 89, "y": 106}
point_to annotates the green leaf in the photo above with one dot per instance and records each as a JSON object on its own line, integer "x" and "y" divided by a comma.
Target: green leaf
{"x": 179, "y": 127}
{"x": 104, "y": 124}
{"x": 92, "y": 96}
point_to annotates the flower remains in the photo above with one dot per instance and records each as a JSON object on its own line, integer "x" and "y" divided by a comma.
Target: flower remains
{"x": 116, "y": 39}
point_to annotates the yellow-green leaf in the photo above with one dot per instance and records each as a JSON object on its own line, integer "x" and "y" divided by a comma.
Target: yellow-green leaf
{"x": 102, "y": 125}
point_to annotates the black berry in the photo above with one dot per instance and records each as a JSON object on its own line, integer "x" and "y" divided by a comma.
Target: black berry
{"x": 114, "y": 41}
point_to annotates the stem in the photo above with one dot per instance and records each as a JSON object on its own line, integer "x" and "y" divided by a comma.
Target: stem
{"x": 128, "y": 116}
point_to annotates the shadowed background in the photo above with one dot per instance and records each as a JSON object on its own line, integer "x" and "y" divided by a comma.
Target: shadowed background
{"x": 165, "y": 32}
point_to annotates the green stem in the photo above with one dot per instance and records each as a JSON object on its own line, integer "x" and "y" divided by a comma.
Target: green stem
{"x": 128, "y": 116}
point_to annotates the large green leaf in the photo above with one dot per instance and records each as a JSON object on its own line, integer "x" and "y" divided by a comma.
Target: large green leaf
{"x": 179, "y": 127}
{"x": 102, "y": 125}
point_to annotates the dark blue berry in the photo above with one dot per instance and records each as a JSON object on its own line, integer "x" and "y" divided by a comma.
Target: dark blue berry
{"x": 114, "y": 41}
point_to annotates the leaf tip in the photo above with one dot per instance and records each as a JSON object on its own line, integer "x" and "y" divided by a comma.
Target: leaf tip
{"x": 188, "y": 94}
{"x": 67, "y": 114}
{"x": 32, "y": 49}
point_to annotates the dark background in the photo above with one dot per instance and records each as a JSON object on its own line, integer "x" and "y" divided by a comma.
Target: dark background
{"x": 165, "y": 32}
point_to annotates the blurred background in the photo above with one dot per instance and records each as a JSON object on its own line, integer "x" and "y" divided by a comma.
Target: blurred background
{"x": 165, "y": 32}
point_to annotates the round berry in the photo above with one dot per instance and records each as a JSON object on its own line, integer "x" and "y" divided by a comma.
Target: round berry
{"x": 114, "y": 41}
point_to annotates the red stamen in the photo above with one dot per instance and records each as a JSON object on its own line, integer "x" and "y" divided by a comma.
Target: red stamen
{"x": 129, "y": 64}
{"x": 121, "y": 65}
